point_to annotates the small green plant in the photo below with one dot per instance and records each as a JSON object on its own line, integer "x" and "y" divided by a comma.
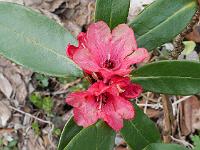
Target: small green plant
{"x": 12, "y": 144}
{"x": 35, "y": 126}
{"x": 196, "y": 142}
{"x": 44, "y": 103}
{"x": 42, "y": 80}
{"x": 57, "y": 132}
{"x": 1, "y": 142}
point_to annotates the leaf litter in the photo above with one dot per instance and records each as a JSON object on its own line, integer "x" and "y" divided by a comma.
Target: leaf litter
{"x": 32, "y": 128}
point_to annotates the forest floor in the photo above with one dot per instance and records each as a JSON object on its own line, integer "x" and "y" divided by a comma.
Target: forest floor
{"x": 32, "y": 106}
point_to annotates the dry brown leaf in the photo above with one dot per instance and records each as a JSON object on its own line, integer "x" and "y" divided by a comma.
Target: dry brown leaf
{"x": 136, "y": 6}
{"x": 48, "y": 5}
{"x": 6, "y": 130}
{"x": 33, "y": 3}
{"x": 17, "y": 77}
{"x": 152, "y": 113}
{"x": 14, "y": 1}
{"x": 5, "y": 114}
{"x": 195, "y": 34}
{"x": 190, "y": 115}
{"x": 34, "y": 142}
{"x": 5, "y": 86}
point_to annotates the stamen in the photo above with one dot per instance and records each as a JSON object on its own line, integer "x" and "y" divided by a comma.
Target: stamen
{"x": 83, "y": 45}
{"x": 94, "y": 75}
{"x": 108, "y": 56}
{"x": 101, "y": 99}
{"x": 120, "y": 89}
{"x": 100, "y": 104}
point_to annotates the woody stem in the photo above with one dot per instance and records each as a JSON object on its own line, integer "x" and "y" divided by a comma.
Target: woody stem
{"x": 168, "y": 119}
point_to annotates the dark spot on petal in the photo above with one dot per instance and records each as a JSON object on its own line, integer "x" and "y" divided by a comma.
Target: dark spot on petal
{"x": 109, "y": 64}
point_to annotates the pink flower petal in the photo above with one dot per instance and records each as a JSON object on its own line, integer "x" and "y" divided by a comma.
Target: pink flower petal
{"x": 85, "y": 117}
{"x": 71, "y": 49}
{"x": 108, "y": 74}
{"x": 85, "y": 60}
{"x": 98, "y": 41}
{"x": 114, "y": 121}
{"x": 132, "y": 91}
{"x": 109, "y": 114}
{"x": 136, "y": 57}
{"x": 76, "y": 99}
{"x": 122, "y": 81}
{"x": 97, "y": 88}
{"x": 82, "y": 39}
{"x": 85, "y": 108}
{"x": 124, "y": 108}
{"x": 123, "y": 42}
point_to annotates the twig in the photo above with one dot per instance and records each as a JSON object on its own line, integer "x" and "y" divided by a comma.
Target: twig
{"x": 147, "y": 98}
{"x": 178, "y": 45}
{"x": 32, "y": 116}
{"x": 68, "y": 85}
{"x": 155, "y": 106}
{"x": 168, "y": 119}
{"x": 181, "y": 100}
{"x": 185, "y": 143}
{"x": 38, "y": 119}
{"x": 146, "y": 102}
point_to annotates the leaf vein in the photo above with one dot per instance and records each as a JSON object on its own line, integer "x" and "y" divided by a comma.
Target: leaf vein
{"x": 177, "y": 12}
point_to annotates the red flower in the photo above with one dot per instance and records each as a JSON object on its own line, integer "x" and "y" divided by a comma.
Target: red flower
{"x": 109, "y": 56}
{"x": 126, "y": 88}
{"x": 104, "y": 102}
{"x": 107, "y": 53}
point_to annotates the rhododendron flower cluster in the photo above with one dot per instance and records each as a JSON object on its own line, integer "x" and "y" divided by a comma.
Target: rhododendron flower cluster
{"x": 106, "y": 57}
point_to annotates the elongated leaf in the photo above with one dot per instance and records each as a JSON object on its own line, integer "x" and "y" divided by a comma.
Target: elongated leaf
{"x": 95, "y": 137}
{"x": 170, "y": 77}
{"x": 140, "y": 131}
{"x": 162, "y": 21}
{"x": 70, "y": 130}
{"x": 159, "y": 146}
{"x": 32, "y": 40}
{"x": 113, "y": 12}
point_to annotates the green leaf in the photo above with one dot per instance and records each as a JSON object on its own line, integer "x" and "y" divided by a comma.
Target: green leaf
{"x": 34, "y": 41}
{"x": 36, "y": 99}
{"x": 196, "y": 141}
{"x": 169, "y": 77}
{"x": 189, "y": 47}
{"x": 12, "y": 143}
{"x": 36, "y": 127}
{"x": 45, "y": 103}
{"x": 95, "y": 137}
{"x": 159, "y": 146}
{"x": 113, "y": 12}
{"x": 140, "y": 131}
{"x": 69, "y": 131}
{"x": 161, "y": 21}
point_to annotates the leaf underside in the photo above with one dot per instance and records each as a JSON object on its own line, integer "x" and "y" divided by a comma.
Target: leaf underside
{"x": 35, "y": 41}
